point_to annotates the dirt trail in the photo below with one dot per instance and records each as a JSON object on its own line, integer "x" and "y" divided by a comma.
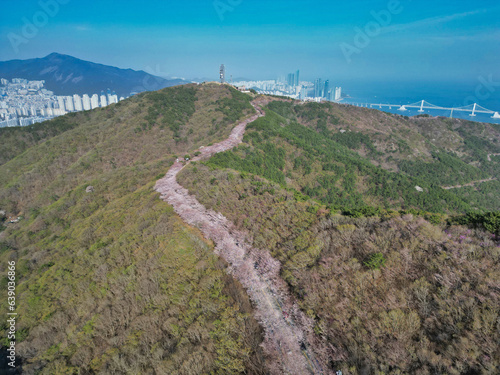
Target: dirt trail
{"x": 472, "y": 183}
{"x": 469, "y": 184}
{"x": 288, "y": 332}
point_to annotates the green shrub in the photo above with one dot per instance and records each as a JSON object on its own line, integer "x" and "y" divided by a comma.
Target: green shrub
{"x": 375, "y": 261}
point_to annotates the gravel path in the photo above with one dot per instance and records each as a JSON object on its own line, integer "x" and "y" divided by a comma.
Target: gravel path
{"x": 288, "y": 332}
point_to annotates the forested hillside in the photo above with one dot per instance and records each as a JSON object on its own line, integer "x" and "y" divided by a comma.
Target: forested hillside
{"x": 394, "y": 285}
{"x": 394, "y": 273}
{"x": 327, "y": 153}
{"x": 390, "y": 293}
{"x": 110, "y": 280}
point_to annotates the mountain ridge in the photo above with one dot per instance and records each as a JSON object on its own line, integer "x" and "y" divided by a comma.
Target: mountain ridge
{"x": 68, "y": 75}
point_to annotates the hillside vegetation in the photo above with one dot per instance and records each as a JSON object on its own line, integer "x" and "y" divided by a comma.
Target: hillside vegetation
{"x": 389, "y": 294}
{"x": 436, "y": 151}
{"x": 395, "y": 279}
{"x": 310, "y": 162}
{"x": 18, "y": 139}
{"x": 110, "y": 280}
{"x": 146, "y": 128}
{"x": 330, "y": 160}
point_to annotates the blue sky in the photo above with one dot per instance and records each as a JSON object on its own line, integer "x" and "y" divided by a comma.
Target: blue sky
{"x": 423, "y": 40}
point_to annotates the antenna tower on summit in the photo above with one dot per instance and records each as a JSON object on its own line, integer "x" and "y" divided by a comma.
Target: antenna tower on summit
{"x": 222, "y": 74}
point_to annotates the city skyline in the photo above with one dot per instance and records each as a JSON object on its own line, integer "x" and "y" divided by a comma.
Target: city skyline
{"x": 25, "y": 102}
{"x": 376, "y": 40}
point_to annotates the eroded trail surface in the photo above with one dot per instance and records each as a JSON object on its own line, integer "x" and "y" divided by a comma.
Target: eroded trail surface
{"x": 288, "y": 332}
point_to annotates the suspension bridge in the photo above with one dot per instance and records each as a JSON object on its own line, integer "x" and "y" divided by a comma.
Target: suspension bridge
{"x": 423, "y": 105}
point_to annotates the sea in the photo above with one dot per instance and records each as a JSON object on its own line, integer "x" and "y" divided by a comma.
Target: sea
{"x": 485, "y": 92}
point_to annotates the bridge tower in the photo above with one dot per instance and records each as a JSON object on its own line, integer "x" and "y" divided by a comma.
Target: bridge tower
{"x": 473, "y": 114}
{"x": 421, "y": 107}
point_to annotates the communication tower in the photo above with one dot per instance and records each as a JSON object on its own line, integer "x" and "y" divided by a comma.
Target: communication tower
{"x": 222, "y": 74}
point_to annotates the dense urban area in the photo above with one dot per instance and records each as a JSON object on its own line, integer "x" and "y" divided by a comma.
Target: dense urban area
{"x": 291, "y": 86}
{"x": 24, "y": 102}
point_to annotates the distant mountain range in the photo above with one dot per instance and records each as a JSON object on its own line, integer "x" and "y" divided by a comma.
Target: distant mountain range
{"x": 67, "y": 75}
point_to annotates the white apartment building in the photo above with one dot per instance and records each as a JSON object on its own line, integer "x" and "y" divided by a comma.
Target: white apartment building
{"x": 70, "y": 107}
{"x": 104, "y": 101}
{"x": 94, "y": 102}
{"x": 78, "y": 102}
{"x": 86, "y": 102}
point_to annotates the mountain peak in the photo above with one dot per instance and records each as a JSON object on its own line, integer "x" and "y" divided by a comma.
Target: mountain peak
{"x": 59, "y": 72}
{"x": 55, "y": 55}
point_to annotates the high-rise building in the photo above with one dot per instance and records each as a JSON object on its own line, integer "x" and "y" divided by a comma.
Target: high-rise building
{"x": 59, "y": 112}
{"x": 112, "y": 99}
{"x": 318, "y": 89}
{"x": 78, "y": 102}
{"x": 303, "y": 93}
{"x": 25, "y": 121}
{"x": 104, "y": 101}
{"x": 326, "y": 89}
{"x": 291, "y": 79}
{"x": 297, "y": 80}
{"x": 94, "y": 102}
{"x": 60, "y": 101}
{"x": 86, "y": 102}
{"x": 70, "y": 107}
{"x": 4, "y": 82}
{"x": 338, "y": 93}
